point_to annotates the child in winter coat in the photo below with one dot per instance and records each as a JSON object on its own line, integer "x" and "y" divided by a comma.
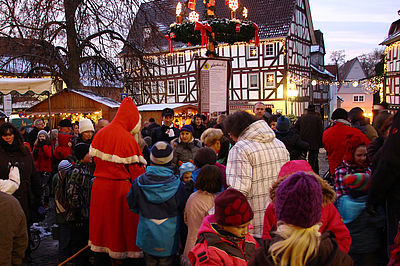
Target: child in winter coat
{"x": 289, "y": 136}
{"x": 184, "y": 147}
{"x": 330, "y": 217}
{"x": 185, "y": 173}
{"x": 223, "y": 238}
{"x": 351, "y": 185}
{"x": 43, "y": 162}
{"x": 159, "y": 197}
{"x": 297, "y": 240}
{"x": 200, "y": 204}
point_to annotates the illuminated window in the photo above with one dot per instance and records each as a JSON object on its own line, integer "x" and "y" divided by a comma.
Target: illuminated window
{"x": 171, "y": 87}
{"x": 253, "y": 80}
{"x": 269, "y": 50}
{"x": 358, "y": 98}
{"x": 253, "y": 52}
{"x": 269, "y": 80}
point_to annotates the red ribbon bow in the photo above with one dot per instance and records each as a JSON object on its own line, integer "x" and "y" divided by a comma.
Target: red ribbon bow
{"x": 256, "y": 38}
{"x": 203, "y": 28}
{"x": 169, "y": 38}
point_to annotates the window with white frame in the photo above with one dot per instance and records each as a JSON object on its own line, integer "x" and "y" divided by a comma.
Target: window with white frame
{"x": 181, "y": 58}
{"x": 269, "y": 80}
{"x": 171, "y": 87}
{"x": 182, "y": 87}
{"x": 269, "y": 50}
{"x": 358, "y": 98}
{"x": 253, "y": 80}
{"x": 253, "y": 52}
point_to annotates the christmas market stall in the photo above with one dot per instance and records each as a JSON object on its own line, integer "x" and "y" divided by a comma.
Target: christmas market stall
{"x": 184, "y": 112}
{"x": 74, "y": 104}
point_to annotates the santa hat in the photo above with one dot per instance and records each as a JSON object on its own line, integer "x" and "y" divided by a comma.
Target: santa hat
{"x": 115, "y": 142}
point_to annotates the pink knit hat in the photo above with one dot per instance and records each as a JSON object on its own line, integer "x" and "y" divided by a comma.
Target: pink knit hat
{"x": 294, "y": 166}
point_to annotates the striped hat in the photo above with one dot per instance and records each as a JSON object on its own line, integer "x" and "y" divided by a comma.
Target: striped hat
{"x": 161, "y": 153}
{"x": 64, "y": 165}
{"x": 358, "y": 181}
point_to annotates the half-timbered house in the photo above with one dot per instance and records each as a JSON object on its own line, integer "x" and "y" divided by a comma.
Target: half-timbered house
{"x": 277, "y": 72}
{"x": 391, "y": 90}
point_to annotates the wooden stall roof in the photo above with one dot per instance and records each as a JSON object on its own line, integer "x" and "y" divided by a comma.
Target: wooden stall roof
{"x": 76, "y": 101}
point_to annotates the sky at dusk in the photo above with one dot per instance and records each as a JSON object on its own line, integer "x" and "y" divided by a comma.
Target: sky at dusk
{"x": 356, "y": 26}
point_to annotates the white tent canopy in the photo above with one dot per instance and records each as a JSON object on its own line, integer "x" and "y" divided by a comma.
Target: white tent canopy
{"x": 23, "y": 85}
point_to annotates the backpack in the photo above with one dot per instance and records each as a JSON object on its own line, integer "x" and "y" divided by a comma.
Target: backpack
{"x": 72, "y": 194}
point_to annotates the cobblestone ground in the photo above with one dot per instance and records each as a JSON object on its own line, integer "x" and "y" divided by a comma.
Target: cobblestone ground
{"x": 46, "y": 254}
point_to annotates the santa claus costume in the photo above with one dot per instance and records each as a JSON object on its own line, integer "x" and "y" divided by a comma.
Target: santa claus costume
{"x": 118, "y": 161}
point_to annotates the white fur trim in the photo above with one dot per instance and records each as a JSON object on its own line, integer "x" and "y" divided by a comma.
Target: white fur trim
{"x": 115, "y": 158}
{"x": 114, "y": 254}
{"x": 136, "y": 129}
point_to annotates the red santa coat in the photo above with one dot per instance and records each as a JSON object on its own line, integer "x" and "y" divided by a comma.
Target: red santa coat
{"x": 119, "y": 161}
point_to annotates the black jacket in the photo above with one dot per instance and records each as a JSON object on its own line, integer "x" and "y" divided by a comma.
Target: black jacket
{"x": 310, "y": 129}
{"x": 293, "y": 143}
{"x": 386, "y": 181}
{"x": 159, "y": 134}
{"x": 29, "y": 192}
{"x": 328, "y": 255}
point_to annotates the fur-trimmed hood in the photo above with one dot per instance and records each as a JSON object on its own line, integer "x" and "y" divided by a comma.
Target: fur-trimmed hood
{"x": 328, "y": 194}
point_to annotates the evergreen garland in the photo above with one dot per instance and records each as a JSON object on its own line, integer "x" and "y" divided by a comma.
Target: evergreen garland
{"x": 225, "y": 30}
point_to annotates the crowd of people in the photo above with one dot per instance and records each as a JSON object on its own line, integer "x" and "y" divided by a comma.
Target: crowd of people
{"x": 241, "y": 190}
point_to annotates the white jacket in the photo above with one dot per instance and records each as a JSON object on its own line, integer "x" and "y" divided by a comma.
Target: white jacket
{"x": 11, "y": 184}
{"x": 253, "y": 164}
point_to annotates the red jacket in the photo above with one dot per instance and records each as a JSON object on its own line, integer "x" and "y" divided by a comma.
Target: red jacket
{"x": 330, "y": 218}
{"x": 63, "y": 150}
{"x": 334, "y": 139}
{"x": 213, "y": 249}
{"x": 43, "y": 158}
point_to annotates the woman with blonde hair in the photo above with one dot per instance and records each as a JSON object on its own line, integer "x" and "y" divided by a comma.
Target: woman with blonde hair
{"x": 215, "y": 139}
{"x": 297, "y": 240}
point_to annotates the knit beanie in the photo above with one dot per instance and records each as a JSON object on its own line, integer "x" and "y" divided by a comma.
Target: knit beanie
{"x": 186, "y": 167}
{"x": 232, "y": 208}
{"x": 283, "y": 124}
{"x": 352, "y": 143}
{"x": 85, "y": 125}
{"x": 188, "y": 128}
{"x": 299, "y": 200}
{"x": 358, "y": 181}
{"x": 294, "y": 166}
{"x": 204, "y": 156}
{"x": 64, "y": 165}
{"x": 43, "y": 132}
{"x": 65, "y": 123}
{"x": 81, "y": 149}
{"x": 161, "y": 153}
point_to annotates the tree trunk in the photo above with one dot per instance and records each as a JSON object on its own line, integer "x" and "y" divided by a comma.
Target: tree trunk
{"x": 72, "y": 75}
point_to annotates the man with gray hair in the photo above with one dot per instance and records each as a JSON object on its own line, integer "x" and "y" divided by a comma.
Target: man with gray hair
{"x": 38, "y": 125}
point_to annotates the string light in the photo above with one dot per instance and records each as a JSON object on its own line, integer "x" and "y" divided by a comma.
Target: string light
{"x": 245, "y": 12}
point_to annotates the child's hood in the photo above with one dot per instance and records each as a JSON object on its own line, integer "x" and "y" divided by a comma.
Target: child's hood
{"x": 158, "y": 184}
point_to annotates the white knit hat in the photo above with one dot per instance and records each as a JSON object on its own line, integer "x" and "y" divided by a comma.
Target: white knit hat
{"x": 85, "y": 125}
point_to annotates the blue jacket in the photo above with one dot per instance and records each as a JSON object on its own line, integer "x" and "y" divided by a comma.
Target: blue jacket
{"x": 159, "y": 198}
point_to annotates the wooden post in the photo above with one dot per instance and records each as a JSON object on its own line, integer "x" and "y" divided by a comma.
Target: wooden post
{"x": 49, "y": 104}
